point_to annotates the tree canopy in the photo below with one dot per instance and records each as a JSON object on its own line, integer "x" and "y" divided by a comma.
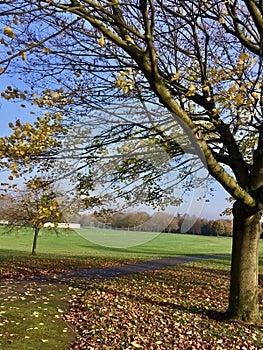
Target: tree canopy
{"x": 202, "y": 61}
{"x": 194, "y": 65}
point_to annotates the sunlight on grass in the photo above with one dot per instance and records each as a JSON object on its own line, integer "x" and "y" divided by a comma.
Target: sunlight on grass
{"x": 32, "y": 318}
{"x": 165, "y": 309}
{"x": 69, "y": 250}
{"x": 70, "y": 243}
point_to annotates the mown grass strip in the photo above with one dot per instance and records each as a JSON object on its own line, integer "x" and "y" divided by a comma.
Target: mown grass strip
{"x": 72, "y": 243}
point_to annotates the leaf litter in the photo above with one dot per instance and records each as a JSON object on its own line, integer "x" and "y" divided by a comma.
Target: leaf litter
{"x": 166, "y": 309}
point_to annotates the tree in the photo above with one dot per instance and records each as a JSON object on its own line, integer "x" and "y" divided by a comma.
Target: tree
{"x": 206, "y": 228}
{"x": 33, "y": 207}
{"x": 228, "y": 227}
{"x": 218, "y": 228}
{"x": 87, "y": 220}
{"x": 199, "y": 60}
{"x": 173, "y": 225}
{"x": 129, "y": 220}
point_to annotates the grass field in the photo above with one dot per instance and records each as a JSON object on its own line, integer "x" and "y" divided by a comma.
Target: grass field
{"x": 70, "y": 243}
{"x": 160, "y": 310}
{"x": 69, "y": 249}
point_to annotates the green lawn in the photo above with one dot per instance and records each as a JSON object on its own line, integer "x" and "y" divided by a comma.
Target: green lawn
{"x": 31, "y": 317}
{"x": 69, "y": 249}
{"x": 31, "y": 313}
{"x": 72, "y": 243}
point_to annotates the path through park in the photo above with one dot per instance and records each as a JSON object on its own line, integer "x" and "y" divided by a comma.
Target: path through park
{"x": 81, "y": 278}
{"x": 127, "y": 269}
{"x": 57, "y": 289}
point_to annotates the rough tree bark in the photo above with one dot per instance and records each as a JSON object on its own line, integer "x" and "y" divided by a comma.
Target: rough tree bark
{"x": 243, "y": 299}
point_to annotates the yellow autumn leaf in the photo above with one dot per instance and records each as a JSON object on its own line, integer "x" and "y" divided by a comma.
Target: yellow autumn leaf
{"x": 206, "y": 88}
{"x": 244, "y": 56}
{"x": 136, "y": 345}
{"x": 46, "y": 50}
{"x": 9, "y": 32}
{"x": 191, "y": 91}
{"x": 101, "y": 41}
{"x": 23, "y": 55}
{"x": 242, "y": 88}
{"x": 255, "y": 95}
{"x": 176, "y": 76}
{"x": 17, "y": 133}
{"x": 239, "y": 99}
{"x": 215, "y": 111}
{"x": 44, "y": 340}
{"x": 4, "y": 196}
{"x": 233, "y": 88}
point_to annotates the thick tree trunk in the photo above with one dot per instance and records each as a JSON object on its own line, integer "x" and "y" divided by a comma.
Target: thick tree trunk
{"x": 34, "y": 247}
{"x": 243, "y": 299}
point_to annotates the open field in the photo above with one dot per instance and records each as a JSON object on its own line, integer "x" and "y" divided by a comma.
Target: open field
{"x": 69, "y": 249}
{"x": 72, "y": 243}
{"x": 170, "y": 309}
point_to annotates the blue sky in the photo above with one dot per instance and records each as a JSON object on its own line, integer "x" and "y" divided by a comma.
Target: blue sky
{"x": 217, "y": 204}
{"x": 10, "y": 111}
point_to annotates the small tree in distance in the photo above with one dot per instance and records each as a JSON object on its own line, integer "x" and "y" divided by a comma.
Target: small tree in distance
{"x": 218, "y": 228}
{"x": 32, "y": 207}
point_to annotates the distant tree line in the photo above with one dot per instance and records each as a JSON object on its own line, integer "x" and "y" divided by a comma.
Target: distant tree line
{"x": 143, "y": 221}
{"x": 137, "y": 221}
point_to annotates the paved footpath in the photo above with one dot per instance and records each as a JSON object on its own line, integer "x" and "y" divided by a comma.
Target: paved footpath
{"x": 81, "y": 279}
{"x": 125, "y": 270}
{"x": 58, "y": 289}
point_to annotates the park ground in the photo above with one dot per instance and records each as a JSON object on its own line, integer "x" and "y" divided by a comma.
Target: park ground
{"x": 174, "y": 308}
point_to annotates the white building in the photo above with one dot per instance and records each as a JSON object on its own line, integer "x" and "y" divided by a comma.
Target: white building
{"x": 62, "y": 225}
